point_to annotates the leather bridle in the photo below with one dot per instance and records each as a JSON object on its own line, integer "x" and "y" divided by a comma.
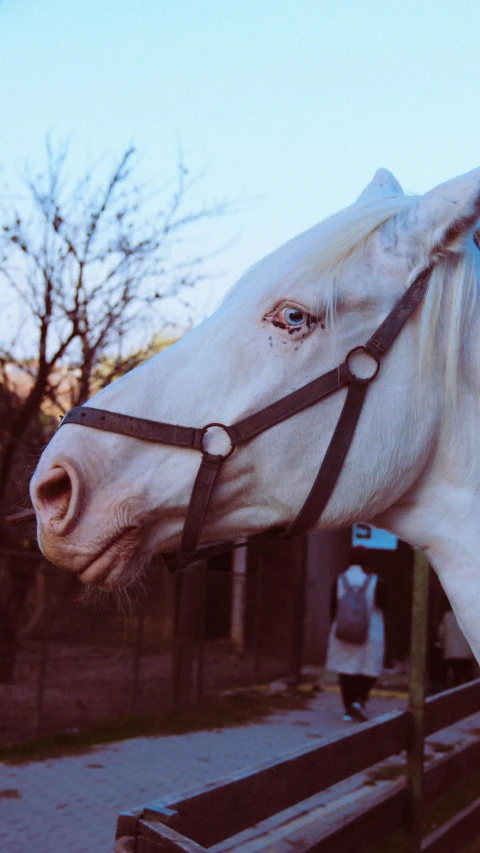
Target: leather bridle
{"x": 248, "y": 428}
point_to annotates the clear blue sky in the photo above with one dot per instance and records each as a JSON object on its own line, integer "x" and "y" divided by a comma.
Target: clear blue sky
{"x": 288, "y": 106}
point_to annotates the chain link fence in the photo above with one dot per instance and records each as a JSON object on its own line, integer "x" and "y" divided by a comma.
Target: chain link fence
{"x": 70, "y": 661}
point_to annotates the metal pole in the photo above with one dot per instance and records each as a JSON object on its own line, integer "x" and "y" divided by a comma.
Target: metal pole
{"x": 416, "y": 704}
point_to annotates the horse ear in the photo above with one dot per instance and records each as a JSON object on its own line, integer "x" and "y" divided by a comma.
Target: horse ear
{"x": 382, "y": 185}
{"x": 438, "y": 222}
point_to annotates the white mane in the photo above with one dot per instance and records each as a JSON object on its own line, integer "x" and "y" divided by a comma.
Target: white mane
{"x": 462, "y": 272}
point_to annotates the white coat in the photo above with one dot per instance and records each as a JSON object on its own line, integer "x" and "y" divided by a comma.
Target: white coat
{"x": 366, "y": 659}
{"x": 452, "y": 640}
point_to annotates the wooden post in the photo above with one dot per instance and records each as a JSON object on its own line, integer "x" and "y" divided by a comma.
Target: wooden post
{"x": 137, "y": 653}
{"x": 239, "y": 590}
{"x": 42, "y": 664}
{"x": 299, "y": 614}
{"x": 202, "y": 591}
{"x": 416, "y": 704}
{"x": 190, "y": 592}
{"x": 257, "y": 666}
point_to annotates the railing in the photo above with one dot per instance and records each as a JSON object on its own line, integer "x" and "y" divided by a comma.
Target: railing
{"x": 283, "y": 793}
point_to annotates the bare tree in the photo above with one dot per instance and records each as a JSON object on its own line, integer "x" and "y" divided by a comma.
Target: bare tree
{"x": 87, "y": 259}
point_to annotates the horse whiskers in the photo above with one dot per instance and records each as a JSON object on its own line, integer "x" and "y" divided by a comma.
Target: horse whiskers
{"x": 127, "y": 598}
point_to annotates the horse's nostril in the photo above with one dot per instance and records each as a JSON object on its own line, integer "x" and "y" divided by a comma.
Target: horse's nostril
{"x": 54, "y": 492}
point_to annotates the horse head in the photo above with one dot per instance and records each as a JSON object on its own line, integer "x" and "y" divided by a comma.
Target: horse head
{"x": 106, "y": 502}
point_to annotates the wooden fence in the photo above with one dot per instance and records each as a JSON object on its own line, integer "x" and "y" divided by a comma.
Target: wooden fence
{"x": 231, "y": 815}
{"x": 282, "y": 790}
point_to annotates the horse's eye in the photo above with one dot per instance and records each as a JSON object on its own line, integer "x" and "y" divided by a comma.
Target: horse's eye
{"x": 292, "y": 317}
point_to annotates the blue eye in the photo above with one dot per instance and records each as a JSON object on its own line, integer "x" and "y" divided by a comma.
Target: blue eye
{"x": 293, "y": 317}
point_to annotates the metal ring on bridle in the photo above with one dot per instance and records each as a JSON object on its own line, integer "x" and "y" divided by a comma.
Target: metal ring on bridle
{"x": 364, "y": 351}
{"x": 225, "y": 429}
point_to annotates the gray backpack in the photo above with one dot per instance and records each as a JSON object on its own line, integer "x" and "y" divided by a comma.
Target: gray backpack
{"x": 353, "y": 616}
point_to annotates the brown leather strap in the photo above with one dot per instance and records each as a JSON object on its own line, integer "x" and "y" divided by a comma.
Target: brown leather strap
{"x": 142, "y": 428}
{"x": 177, "y": 560}
{"x": 199, "y": 501}
{"x": 289, "y": 405}
{"x": 181, "y": 436}
{"x": 210, "y": 465}
{"x": 393, "y": 324}
{"x": 333, "y": 460}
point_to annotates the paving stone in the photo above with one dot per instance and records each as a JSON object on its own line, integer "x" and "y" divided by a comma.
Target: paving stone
{"x": 78, "y": 804}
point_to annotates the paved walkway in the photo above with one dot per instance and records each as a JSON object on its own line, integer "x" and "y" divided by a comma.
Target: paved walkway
{"x": 71, "y": 804}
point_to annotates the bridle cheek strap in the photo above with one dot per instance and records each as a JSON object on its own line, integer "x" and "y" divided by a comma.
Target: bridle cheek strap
{"x": 333, "y": 460}
{"x": 199, "y": 501}
{"x": 253, "y": 425}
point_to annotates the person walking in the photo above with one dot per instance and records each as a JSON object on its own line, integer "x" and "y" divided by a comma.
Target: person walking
{"x": 457, "y": 653}
{"x": 356, "y": 643}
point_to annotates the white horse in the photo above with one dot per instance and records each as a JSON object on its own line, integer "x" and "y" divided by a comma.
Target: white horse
{"x": 106, "y": 502}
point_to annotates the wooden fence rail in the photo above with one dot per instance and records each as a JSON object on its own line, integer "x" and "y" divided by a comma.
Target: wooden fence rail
{"x": 210, "y": 816}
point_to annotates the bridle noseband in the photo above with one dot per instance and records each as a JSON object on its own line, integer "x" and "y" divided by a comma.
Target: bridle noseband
{"x": 244, "y": 430}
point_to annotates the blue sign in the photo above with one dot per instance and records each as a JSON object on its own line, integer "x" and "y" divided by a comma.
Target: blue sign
{"x": 367, "y": 536}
